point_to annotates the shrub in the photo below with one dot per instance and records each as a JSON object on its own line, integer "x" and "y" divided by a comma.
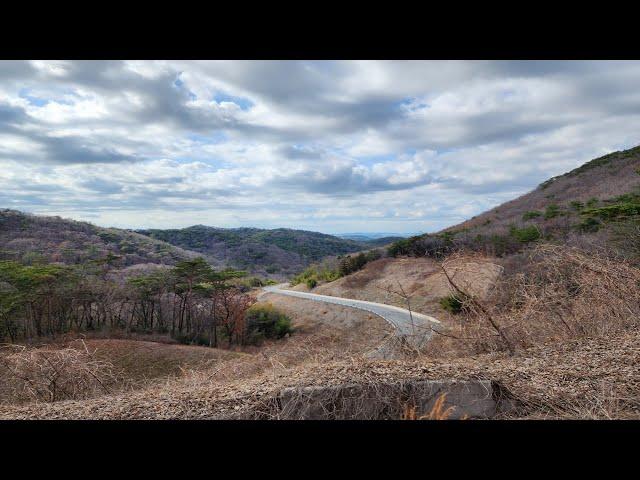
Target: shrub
{"x": 265, "y": 321}
{"x": 351, "y": 264}
{"x": 253, "y": 282}
{"x": 592, "y": 202}
{"x": 373, "y": 255}
{"x": 311, "y": 283}
{"x": 435, "y": 246}
{"x": 576, "y": 205}
{"x": 327, "y": 271}
{"x": 613, "y": 211}
{"x": 631, "y": 197}
{"x": 589, "y": 224}
{"x": 452, "y": 304}
{"x": 401, "y": 247}
{"x": 191, "y": 338}
{"x": 546, "y": 183}
{"x": 48, "y": 375}
{"x": 551, "y": 211}
{"x": 525, "y": 234}
{"x": 531, "y": 214}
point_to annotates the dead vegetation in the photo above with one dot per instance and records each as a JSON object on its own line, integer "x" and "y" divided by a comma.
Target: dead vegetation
{"x": 565, "y": 379}
{"x": 547, "y": 293}
{"x": 97, "y": 366}
{"x": 569, "y": 317}
{"x": 437, "y": 412}
{"x": 50, "y": 375}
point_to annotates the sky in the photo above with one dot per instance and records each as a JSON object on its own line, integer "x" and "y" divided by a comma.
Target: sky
{"x": 331, "y": 146}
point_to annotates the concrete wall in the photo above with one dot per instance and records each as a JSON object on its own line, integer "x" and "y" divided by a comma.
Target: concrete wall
{"x": 468, "y": 399}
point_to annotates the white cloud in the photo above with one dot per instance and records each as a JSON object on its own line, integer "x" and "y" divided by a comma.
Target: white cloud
{"x": 333, "y": 146}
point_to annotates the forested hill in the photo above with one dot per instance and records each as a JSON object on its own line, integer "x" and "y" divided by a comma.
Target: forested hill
{"x": 279, "y": 251}
{"x": 32, "y": 238}
{"x": 596, "y": 203}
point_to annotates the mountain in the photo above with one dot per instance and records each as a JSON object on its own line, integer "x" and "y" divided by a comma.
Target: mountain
{"x": 591, "y": 203}
{"x": 597, "y": 183}
{"x": 29, "y": 237}
{"x": 371, "y": 239}
{"x": 279, "y": 252}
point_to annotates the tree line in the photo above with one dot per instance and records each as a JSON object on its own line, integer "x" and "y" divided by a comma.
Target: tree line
{"x": 191, "y": 301}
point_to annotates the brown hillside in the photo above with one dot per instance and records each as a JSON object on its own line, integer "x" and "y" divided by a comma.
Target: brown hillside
{"x": 602, "y": 178}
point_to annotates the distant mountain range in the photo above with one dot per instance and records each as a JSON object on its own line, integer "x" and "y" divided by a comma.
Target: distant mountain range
{"x": 32, "y": 238}
{"x": 277, "y": 252}
{"x": 368, "y": 236}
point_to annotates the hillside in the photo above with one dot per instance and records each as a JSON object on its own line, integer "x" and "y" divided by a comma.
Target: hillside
{"x": 27, "y": 238}
{"x": 526, "y": 318}
{"x": 280, "y": 251}
{"x": 598, "y": 202}
{"x": 597, "y": 183}
{"x": 371, "y": 239}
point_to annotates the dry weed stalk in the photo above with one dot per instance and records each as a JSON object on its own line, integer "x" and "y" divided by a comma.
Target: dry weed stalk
{"x": 437, "y": 412}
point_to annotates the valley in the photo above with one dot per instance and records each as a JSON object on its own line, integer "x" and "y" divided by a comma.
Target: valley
{"x": 187, "y": 323}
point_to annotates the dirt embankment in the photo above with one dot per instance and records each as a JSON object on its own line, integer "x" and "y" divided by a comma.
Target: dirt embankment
{"x": 421, "y": 279}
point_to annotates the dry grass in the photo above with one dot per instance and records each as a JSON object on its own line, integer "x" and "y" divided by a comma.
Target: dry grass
{"x": 78, "y": 368}
{"x": 548, "y": 293}
{"x": 50, "y": 375}
{"x": 557, "y": 380}
{"x": 437, "y": 412}
{"x": 572, "y": 317}
{"x": 324, "y": 333}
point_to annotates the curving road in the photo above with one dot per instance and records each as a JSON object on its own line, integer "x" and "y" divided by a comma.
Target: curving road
{"x": 404, "y": 322}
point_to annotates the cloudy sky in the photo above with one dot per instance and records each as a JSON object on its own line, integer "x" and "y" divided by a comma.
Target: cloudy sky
{"x": 352, "y": 146}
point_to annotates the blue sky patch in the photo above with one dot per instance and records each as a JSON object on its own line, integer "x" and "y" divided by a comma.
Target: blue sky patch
{"x": 244, "y": 103}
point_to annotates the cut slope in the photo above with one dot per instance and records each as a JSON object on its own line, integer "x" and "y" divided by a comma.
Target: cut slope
{"x": 421, "y": 279}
